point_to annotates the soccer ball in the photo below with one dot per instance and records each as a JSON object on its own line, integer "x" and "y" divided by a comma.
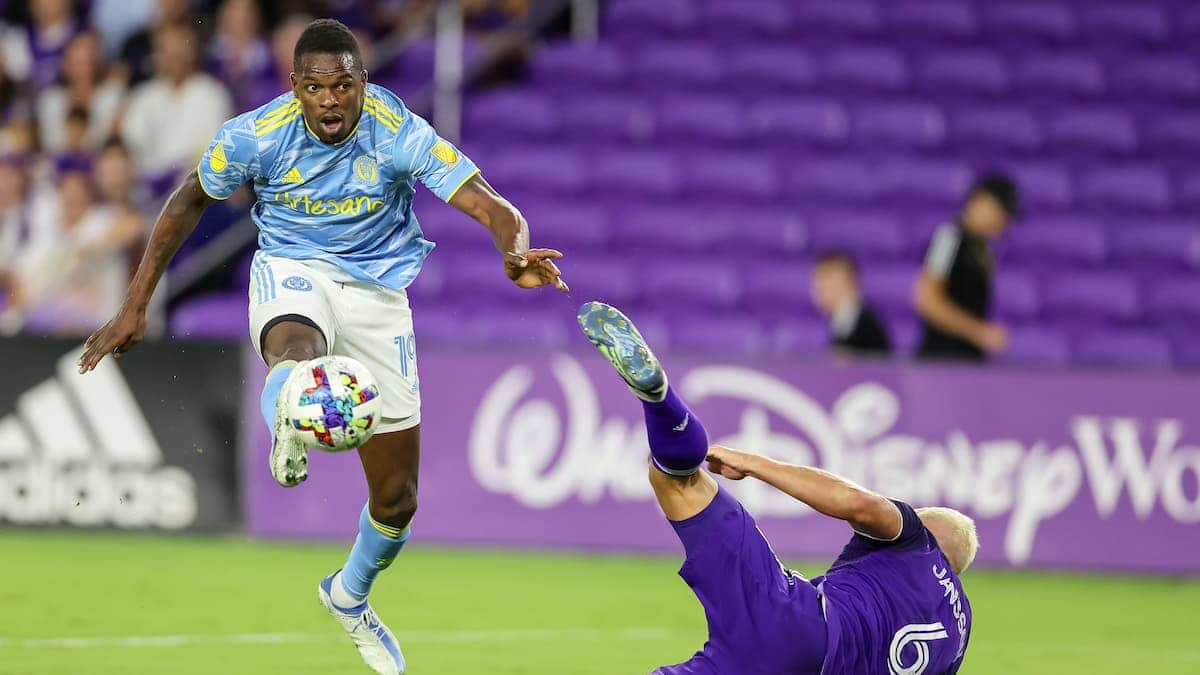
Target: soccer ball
{"x": 334, "y": 403}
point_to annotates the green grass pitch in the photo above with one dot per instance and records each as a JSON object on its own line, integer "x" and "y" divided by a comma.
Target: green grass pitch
{"x": 105, "y": 603}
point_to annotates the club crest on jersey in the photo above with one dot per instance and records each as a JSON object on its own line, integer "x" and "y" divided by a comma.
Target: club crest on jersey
{"x": 445, "y": 152}
{"x": 366, "y": 169}
{"x": 297, "y": 284}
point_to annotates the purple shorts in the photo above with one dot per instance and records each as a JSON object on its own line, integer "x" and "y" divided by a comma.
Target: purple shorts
{"x": 762, "y": 618}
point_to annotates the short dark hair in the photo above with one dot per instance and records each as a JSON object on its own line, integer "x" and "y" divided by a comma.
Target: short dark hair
{"x": 1000, "y": 187}
{"x": 327, "y": 36}
{"x": 839, "y": 256}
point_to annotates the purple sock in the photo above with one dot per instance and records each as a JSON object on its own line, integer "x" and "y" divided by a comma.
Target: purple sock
{"x": 678, "y": 441}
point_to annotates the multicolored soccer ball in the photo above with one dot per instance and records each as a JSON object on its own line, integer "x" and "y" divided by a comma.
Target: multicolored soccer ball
{"x": 334, "y": 404}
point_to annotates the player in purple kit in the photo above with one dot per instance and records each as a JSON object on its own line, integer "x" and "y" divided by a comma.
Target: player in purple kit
{"x": 891, "y": 604}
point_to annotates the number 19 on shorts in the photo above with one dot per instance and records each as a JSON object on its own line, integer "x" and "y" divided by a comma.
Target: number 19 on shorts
{"x": 408, "y": 357}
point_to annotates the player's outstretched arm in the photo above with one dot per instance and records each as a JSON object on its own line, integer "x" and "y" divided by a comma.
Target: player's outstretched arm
{"x": 868, "y": 513}
{"x": 528, "y": 268}
{"x": 176, "y": 221}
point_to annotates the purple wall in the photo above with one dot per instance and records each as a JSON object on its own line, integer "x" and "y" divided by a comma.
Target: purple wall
{"x": 1069, "y": 470}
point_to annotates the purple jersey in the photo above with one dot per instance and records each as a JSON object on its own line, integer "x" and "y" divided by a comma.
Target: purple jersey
{"x": 894, "y": 607}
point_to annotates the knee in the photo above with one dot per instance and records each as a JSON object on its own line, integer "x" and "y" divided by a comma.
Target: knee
{"x": 395, "y": 510}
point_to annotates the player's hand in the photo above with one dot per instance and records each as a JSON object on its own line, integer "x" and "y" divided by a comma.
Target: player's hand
{"x": 116, "y": 337}
{"x": 727, "y": 462}
{"x": 535, "y": 269}
{"x": 993, "y": 338}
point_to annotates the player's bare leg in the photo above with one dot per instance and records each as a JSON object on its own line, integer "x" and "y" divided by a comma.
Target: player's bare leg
{"x": 287, "y": 344}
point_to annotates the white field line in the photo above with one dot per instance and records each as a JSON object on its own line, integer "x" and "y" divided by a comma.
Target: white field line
{"x": 444, "y": 636}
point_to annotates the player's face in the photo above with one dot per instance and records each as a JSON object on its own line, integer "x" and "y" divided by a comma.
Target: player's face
{"x": 330, "y": 88}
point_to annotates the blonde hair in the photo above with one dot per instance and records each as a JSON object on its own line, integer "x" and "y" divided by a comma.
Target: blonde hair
{"x": 959, "y": 541}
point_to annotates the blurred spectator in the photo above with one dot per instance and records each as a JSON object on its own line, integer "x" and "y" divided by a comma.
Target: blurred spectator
{"x": 836, "y": 292}
{"x": 954, "y": 290}
{"x": 283, "y": 43}
{"x": 116, "y": 179}
{"x": 489, "y": 15}
{"x": 14, "y": 230}
{"x": 173, "y": 117}
{"x": 137, "y": 53}
{"x": 117, "y": 20}
{"x": 71, "y": 279}
{"x": 80, "y": 86}
{"x": 53, "y": 24}
{"x": 240, "y": 57}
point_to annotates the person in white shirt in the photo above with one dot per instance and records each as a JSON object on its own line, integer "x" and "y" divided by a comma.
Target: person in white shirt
{"x": 82, "y": 86}
{"x": 172, "y": 118}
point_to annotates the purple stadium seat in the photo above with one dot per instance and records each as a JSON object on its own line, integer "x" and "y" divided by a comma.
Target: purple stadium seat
{"x": 1157, "y": 76}
{"x": 610, "y": 278}
{"x": 1043, "y": 184}
{"x": 479, "y": 274}
{"x": 973, "y": 71}
{"x": 800, "y": 336}
{"x": 909, "y": 124}
{"x": 574, "y": 63}
{"x": 1103, "y": 129}
{"x": 799, "y": 120}
{"x": 772, "y": 231}
{"x": 214, "y": 316}
{"x": 1095, "y": 295}
{"x": 638, "y": 18}
{"x": 904, "y": 329}
{"x": 1142, "y": 186}
{"x": 778, "y": 288}
{"x": 1143, "y": 22}
{"x": 446, "y": 224}
{"x": 890, "y": 286}
{"x": 701, "y": 118}
{"x": 680, "y": 65}
{"x": 1060, "y": 74}
{"x": 842, "y": 17}
{"x": 866, "y": 68}
{"x": 723, "y": 335}
{"x": 674, "y": 230}
{"x": 1124, "y": 348}
{"x": 1189, "y": 187}
{"x": 998, "y": 127}
{"x": 1036, "y": 20}
{"x": 754, "y": 18}
{"x": 946, "y": 18}
{"x": 1178, "y": 131}
{"x": 608, "y": 117}
{"x": 1036, "y": 345}
{"x": 1175, "y": 297}
{"x": 565, "y": 224}
{"x": 550, "y": 170}
{"x": 1058, "y": 241}
{"x": 837, "y": 177}
{"x": 520, "y": 113}
{"x": 875, "y": 234}
{"x": 942, "y": 181}
{"x": 1173, "y": 243}
{"x": 1017, "y": 295}
{"x": 675, "y": 282}
{"x": 642, "y": 172}
{"x": 717, "y": 174}
{"x": 753, "y": 66}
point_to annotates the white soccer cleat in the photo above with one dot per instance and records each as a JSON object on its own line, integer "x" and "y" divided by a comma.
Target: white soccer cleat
{"x": 376, "y": 644}
{"x": 289, "y": 455}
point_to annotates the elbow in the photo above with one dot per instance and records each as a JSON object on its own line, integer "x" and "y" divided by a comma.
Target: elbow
{"x": 923, "y": 296}
{"x": 860, "y": 506}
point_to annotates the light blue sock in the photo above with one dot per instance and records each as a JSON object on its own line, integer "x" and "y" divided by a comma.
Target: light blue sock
{"x": 374, "y": 550}
{"x": 270, "y": 392}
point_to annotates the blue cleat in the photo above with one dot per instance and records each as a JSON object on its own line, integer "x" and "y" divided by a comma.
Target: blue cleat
{"x": 376, "y": 644}
{"x": 620, "y": 342}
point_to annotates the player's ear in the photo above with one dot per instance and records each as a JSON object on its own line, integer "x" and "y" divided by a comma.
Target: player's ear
{"x": 364, "y": 75}
{"x": 292, "y": 79}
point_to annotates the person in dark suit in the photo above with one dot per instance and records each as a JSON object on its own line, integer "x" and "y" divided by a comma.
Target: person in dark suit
{"x": 856, "y": 329}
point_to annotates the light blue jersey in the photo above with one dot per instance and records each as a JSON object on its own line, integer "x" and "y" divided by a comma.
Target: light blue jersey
{"x": 349, "y": 203}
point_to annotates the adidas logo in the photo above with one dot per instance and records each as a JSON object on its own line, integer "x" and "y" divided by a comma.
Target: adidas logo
{"x": 293, "y": 176}
{"x": 77, "y": 449}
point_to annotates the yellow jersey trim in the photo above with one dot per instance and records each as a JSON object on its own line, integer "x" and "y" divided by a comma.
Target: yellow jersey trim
{"x": 274, "y": 114}
{"x": 379, "y": 110}
{"x": 200, "y": 180}
{"x": 460, "y": 185}
{"x": 281, "y": 122}
{"x": 341, "y": 142}
{"x": 386, "y": 530}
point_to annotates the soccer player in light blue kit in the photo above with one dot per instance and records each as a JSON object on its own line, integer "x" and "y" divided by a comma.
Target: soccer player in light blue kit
{"x": 892, "y": 602}
{"x": 333, "y": 165}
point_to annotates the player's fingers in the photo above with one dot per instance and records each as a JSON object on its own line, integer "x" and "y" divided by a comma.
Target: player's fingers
{"x": 545, "y": 253}
{"x": 515, "y": 260}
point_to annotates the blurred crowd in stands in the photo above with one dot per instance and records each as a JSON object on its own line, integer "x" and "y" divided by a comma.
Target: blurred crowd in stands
{"x": 104, "y": 102}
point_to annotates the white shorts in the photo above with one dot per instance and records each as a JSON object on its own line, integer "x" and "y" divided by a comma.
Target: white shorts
{"x": 364, "y": 321}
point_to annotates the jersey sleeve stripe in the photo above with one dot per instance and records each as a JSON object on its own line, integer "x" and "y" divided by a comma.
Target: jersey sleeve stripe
{"x": 200, "y": 179}
{"x": 383, "y": 109}
{"x": 460, "y": 185}
{"x": 277, "y": 113}
{"x": 283, "y": 121}
{"x": 385, "y": 117}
